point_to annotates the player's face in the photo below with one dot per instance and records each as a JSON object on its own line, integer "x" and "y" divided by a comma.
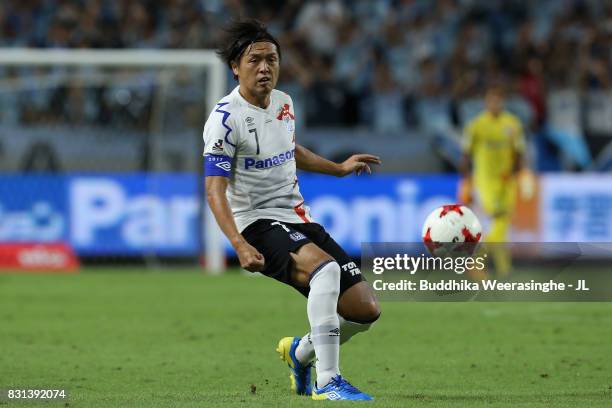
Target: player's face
{"x": 494, "y": 102}
{"x": 258, "y": 68}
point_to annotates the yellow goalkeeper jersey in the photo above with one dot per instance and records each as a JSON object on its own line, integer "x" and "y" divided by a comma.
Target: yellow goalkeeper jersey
{"x": 492, "y": 142}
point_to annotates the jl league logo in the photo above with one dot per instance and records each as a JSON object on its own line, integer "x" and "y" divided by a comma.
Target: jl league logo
{"x": 218, "y": 146}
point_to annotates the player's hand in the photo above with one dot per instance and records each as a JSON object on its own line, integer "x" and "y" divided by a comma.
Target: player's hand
{"x": 464, "y": 193}
{"x": 358, "y": 163}
{"x": 250, "y": 258}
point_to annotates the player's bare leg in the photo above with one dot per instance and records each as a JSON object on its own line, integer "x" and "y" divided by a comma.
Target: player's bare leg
{"x": 307, "y": 259}
{"x": 358, "y": 303}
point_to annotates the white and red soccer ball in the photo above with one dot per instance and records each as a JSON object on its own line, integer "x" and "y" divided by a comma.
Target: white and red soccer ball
{"x": 452, "y": 230}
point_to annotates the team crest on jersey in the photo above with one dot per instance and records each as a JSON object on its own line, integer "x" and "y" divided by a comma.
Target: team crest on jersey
{"x": 285, "y": 115}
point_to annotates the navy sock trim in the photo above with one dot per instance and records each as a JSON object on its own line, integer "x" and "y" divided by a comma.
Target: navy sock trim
{"x": 319, "y": 268}
{"x": 362, "y": 321}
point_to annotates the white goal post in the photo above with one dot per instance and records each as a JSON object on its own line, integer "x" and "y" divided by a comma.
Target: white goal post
{"x": 215, "y": 90}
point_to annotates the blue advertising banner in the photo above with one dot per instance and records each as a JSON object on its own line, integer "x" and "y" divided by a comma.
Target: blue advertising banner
{"x": 380, "y": 208}
{"x": 576, "y": 207}
{"x": 113, "y": 214}
{"x": 135, "y": 214}
{"x": 131, "y": 214}
{"x": 33, "y": 209}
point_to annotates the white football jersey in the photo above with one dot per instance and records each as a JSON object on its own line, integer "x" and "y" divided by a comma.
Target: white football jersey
{"x": 255, "y": 149}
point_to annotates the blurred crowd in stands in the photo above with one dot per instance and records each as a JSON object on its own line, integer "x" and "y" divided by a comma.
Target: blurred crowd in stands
{"x": 348, "y": 62}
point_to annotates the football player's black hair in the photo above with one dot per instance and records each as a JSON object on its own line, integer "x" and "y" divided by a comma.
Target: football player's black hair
{"x": 238, "y": 35}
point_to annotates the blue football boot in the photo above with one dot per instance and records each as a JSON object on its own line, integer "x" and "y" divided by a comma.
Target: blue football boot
{"x": 339, "y": 389}
{"x": 299, "y": 373}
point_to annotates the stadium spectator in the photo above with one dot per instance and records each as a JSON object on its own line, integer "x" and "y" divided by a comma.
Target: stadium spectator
{"x": 444, "y": 47}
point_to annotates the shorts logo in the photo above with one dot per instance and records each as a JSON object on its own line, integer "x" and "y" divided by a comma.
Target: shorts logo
{"x": 297, "y": 236}
{"x": 351, "y": 268}
{"x": 224, "y": 166}
{"x": 218, "y": 146}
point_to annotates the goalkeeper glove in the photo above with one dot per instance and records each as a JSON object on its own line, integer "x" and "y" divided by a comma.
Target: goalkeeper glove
{"x": 465, "y": 191}
{"x": 526, "y": 184}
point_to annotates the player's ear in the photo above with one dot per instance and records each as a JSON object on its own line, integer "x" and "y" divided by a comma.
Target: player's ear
{"x": 235, "y": 69}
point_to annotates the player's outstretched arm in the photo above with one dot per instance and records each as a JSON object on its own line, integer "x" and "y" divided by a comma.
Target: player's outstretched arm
{"x": 309, "y": 161}
{"x": 250, "y": 258}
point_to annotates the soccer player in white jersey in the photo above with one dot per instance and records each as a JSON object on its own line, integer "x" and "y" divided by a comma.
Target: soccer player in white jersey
{"x": 250, "y": 160}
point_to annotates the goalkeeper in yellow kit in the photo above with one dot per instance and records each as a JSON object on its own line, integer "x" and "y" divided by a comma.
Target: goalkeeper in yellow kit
{"x": 493, "y": 163}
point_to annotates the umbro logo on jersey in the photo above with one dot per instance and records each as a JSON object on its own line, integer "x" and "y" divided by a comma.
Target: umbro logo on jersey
{"x": 224, "y": 166}
{"x": 250, "y": 121}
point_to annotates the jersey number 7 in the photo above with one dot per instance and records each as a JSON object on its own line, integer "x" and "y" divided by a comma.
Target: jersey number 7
{"x": 256, "y": 138}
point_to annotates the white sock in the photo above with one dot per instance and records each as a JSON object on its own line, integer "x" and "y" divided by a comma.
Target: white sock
{"x": 305, "y": 352}
{"x": 324, "y": 323}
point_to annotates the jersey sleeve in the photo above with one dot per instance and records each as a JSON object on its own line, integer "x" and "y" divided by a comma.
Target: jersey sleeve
{"x": 220, "y": 140}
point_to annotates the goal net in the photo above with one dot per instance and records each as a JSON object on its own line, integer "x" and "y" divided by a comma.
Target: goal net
{"x": 101, "y": 149}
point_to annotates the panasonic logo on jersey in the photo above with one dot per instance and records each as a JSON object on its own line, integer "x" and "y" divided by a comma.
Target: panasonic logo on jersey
{"x": 276, "y": 160}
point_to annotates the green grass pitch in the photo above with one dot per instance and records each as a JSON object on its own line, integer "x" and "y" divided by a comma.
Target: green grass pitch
{"x": 130, "y": 338}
